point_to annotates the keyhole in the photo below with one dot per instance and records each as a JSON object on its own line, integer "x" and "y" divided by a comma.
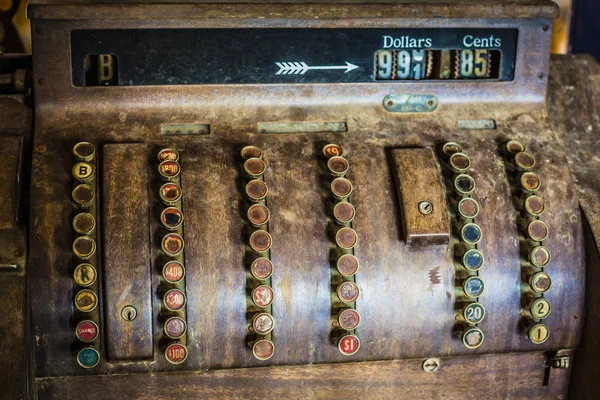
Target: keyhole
{"x": 128, "y": 313}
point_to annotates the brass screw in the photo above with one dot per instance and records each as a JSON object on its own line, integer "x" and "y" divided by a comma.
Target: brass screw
{"x": 128, "y": 313}
{"x": 425, "y": 207}
{"x": 432, "y": 364}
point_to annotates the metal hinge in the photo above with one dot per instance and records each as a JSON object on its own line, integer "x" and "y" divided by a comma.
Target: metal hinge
{"x": 556, "y": 359}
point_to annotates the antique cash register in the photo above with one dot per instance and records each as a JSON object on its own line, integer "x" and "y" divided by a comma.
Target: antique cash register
{"x": 265, "y": 199}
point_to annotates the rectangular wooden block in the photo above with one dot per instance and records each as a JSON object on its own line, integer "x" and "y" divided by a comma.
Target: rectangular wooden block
{"x": 127, "y": 271}
{"x": 419, "y": 183}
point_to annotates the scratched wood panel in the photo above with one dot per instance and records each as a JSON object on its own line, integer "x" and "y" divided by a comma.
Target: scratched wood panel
{"x": 565, "y": 242}
{"x": 10, "y": 178}
{"x": 497, "y": 376}
{"x": 499, "y": 245}
{"x": 127, "y": 272}
{"x": 214, "y": 257}
{"x": 404, "y": 288}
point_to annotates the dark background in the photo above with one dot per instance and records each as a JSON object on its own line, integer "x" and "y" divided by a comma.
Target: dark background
{"x": 585, "y": 27}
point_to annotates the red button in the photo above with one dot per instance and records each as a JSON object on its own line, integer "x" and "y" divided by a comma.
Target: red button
{"x": 348, "y": 345}
{"x": 174, "y": 299}
{"x": 173, "y": 271}
{"x": 175, "y": 327}
{"x": 176, "y": 353}
{"x": 86, "y": 331}
{"x": 168, "y": 155}
{"x": 349, "y": 319}
{"x": 262, "y": 296}
{"x": 172, "y": 244}
{"x": 263, "y": 349}
{"x": 169, "y": 169}
{"x": 348, "y": 292}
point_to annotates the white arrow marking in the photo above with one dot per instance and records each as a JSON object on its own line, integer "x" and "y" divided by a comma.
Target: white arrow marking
{"x": 300, "y": 68}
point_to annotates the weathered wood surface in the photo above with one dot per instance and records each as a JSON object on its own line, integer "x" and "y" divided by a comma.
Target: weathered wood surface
{"x": 15, "y": 345}
{"x": 574, "y": 112}
{"x": 127, "y": 271}
{"x": 405, "y": 313}
{"x": 419, "y": 179}
{"x": 498, "y": 376}
{"x": 71, "y": 9}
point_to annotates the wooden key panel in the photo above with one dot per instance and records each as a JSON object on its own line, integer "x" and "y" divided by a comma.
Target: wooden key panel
{"x": 265, "y": 259}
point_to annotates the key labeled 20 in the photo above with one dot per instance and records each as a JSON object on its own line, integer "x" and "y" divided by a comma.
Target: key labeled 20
{"x": 401, "y": 64}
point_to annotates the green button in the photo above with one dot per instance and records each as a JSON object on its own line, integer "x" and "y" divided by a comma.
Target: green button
{"x": 88, "y": 357}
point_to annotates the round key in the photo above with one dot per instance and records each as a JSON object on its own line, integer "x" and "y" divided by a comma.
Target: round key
{"x": 88, "y": 357}
{"x": 263, "y": 349}
{"x": 172, "y": 244}
{"x": 464, "y": 184}
{"x": 344, "y": 212}
{"x": 530, "y": 182}
{"x": 337, "y": 166}
{"x": 537, "y": 230}
{"x": 255, "y": 167}
{"x": 468, "y": 208}
{"x": 256, "y": 190}
{"x": 471, "y": 233}
{"x": 86, "y": 300}
{"x": 258, "y": 215}
{"x": 534, "y": 206}
{"x": 251, "y": 152}
{"x": 173, "y": 271}
{"x": 84, "y": 223}
{"x": 459, "y": 162}
{"x": 341, "y": 188}
{"x": 473, "y": 259}
{"x": 260, "y": 241}
{"x": 332, "y": 150}
{"x": 171, "y": 218}
{"x": 262, "y": 296}
{"x": 85, "y": 275}
{"x": 450, "y": 148}
{"x": 261, "y": 268}
{"x": 346, "y": 238}
{"x": 86, "y": 331}
{"x": 263, "y": 323}
{"x": 540, "y": 282}
{"x": 83, "y": 172}
{"x": 540, "y": 308}
{"x": 348, "y": 292}
{"x": 83, "y": 195}
{"x": 540, "y": 256}
{"x": 84, "y": 151}
{"x": 524, "y": 161}
{"x": 168, "y": 155}
{"x": 472, "y": 338}
{"x": 473, "y": 287}
{"x": 347, "y": 264}
{"x": 514, "y": 147}
{"x": 170, "y": 194}
{"x": 169, "y": 170}
{"x": 174, "y": 300}
{"x": 176, "y": 353}
{"x": 474, "y": 313}
{"x": 84, "y": 247}
{"x": 539, "y": 333}
{"x": 348, "y": 319}
{"x": 175, "y": 327}
{"x": 348, "y": 345}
